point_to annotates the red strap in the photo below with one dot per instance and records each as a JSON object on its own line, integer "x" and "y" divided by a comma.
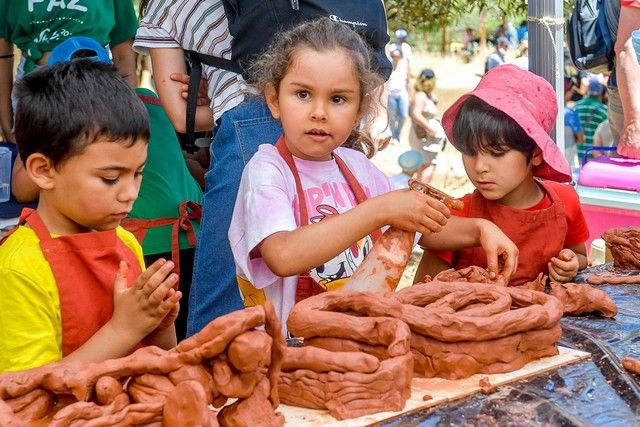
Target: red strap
{"x": 288, "y": 158}
{"x": 147, "y": 99}
{"x": 306, "y": 286}
{"x": 188, "y": 211}
{"x": 354, "y": 184}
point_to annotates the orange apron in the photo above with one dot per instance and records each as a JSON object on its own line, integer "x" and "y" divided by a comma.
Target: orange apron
{"x": 84, "y": 266}
{"x": 306, "y": 285}
{"x": 539, "y": 235}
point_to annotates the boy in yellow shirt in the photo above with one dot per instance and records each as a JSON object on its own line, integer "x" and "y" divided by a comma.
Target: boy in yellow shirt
{"x": 72, "y": 281}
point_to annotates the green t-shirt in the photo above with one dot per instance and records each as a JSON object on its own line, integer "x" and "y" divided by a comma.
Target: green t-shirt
{"x": 166, "y": 182}
{"x": 37, "y": 26}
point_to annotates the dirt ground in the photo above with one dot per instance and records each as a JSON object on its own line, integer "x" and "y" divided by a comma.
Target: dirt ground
{"x": 454, "y": 79}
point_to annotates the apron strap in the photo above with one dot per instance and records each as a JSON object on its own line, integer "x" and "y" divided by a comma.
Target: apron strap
{"x": 306, "y": 286}
{"x": 187, "y": 211}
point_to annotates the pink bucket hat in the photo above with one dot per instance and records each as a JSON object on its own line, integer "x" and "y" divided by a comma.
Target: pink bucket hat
{"x": 529, "y": 100}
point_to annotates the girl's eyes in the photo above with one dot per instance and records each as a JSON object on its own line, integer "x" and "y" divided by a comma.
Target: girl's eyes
{"x": 302, "y": 94}
{"x": 338, "y": 99}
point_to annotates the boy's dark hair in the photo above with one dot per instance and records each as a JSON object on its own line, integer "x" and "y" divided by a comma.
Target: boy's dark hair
{"x": 481, "y": 127}
{"x": 65, "y": 107}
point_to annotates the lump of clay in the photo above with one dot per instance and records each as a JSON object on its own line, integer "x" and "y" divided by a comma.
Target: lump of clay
{"x": 624, "y": 244}
{"x": 631, "y": 365}
{"x": 472, "y": 273}
{"x": 356, "y": 359}
{"x": 229, "y": 358}
{"x": 579, "y": 299}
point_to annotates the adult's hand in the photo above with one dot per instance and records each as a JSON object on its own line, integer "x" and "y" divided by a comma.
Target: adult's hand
{"x": 629, "y": 145}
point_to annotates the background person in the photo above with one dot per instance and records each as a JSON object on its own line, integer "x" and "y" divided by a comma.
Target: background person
{"x": 499, "y": 55}
{"x": 398, "y": 103}
{"x": 624, "y": 84}
{"x": 412, "y": 163}
{"x": 36, "y": 27}
{"x": 427, "y": 135}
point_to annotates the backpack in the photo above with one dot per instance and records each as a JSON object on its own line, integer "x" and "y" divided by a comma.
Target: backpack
{"x": 590, "y": 40}
{"x": 254, "y": 23}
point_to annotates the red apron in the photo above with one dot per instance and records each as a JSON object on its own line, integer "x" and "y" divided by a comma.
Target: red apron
{"x": 188, "y": 211}
{"x": 306, "y": 285}
{"x": 539, "y": 235}
{"x": 84, "y": 266}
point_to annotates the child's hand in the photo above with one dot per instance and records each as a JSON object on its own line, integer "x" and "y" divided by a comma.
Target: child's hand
{"x": 564, "y": 267}
{"x": 149, "y": 303}
{"x": 414, "y": 211}
{"x": 498, "y": 249}
{"x": 171, "y": 317}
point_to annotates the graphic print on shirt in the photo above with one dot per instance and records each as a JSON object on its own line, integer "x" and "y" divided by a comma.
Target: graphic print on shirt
{"x": 333, "y": 274}
{"x": 55, "y": 30}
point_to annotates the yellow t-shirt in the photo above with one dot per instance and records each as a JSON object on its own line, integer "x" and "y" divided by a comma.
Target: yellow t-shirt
{"x": 30, "y": 319}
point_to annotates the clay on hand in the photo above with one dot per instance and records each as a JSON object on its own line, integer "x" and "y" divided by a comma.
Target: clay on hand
{"x": 433, "y": 192}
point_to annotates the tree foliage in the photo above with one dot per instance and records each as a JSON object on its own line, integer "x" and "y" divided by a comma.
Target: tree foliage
{"x": 427, "y": 15}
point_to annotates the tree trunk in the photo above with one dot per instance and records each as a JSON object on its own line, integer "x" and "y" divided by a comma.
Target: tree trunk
{"x": 483, "y": 29}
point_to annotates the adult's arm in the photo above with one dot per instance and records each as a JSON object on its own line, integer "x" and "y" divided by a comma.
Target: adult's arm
{"x": 125, "y": 61}
{"x": 6, "y": 85}
{"x": 628, "y": 78}
{"x": 165, "y": 62}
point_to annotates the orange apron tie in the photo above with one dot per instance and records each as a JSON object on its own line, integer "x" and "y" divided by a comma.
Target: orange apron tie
{"x": 84, "y": 266}
{"x": 539, "y": 235}
{"x": 188, "y": 211}
{"x": 306, "y": 285}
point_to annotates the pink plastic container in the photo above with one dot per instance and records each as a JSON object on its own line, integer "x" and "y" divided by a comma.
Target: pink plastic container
{"x": 611, "y": 172}
{"x": 609, "y": 190}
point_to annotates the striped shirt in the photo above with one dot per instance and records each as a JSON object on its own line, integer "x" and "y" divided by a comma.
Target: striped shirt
{"x": 591, "y": 112}
{"x": 199, "y": 25}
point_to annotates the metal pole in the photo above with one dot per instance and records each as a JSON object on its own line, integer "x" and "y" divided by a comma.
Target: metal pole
{"x": 546, "y": 52}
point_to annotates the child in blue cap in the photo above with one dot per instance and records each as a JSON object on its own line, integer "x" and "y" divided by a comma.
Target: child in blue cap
{"x": 412, "y": 162}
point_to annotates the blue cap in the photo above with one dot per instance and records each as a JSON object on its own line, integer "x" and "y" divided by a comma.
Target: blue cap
{"x": 411, "y": 160}
{"x": 401, "y": 33}
{"x": 64, "y": 51}
{"x": 595, "y": 87}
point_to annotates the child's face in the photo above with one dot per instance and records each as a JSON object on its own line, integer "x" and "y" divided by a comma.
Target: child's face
{"x": 318, "y": 103}
{"x": 94, "y": 190}
{"x": 506, "y": 177}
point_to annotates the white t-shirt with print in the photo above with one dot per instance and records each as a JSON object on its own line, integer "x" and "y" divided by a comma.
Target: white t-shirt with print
{"x": 267, "y": 203}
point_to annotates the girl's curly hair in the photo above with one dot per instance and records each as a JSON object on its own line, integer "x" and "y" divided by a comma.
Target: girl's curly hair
{"x": 322, "y": 34}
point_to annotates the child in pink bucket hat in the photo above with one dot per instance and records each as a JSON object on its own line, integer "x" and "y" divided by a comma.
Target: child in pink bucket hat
{"x": 502, "y": 130}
